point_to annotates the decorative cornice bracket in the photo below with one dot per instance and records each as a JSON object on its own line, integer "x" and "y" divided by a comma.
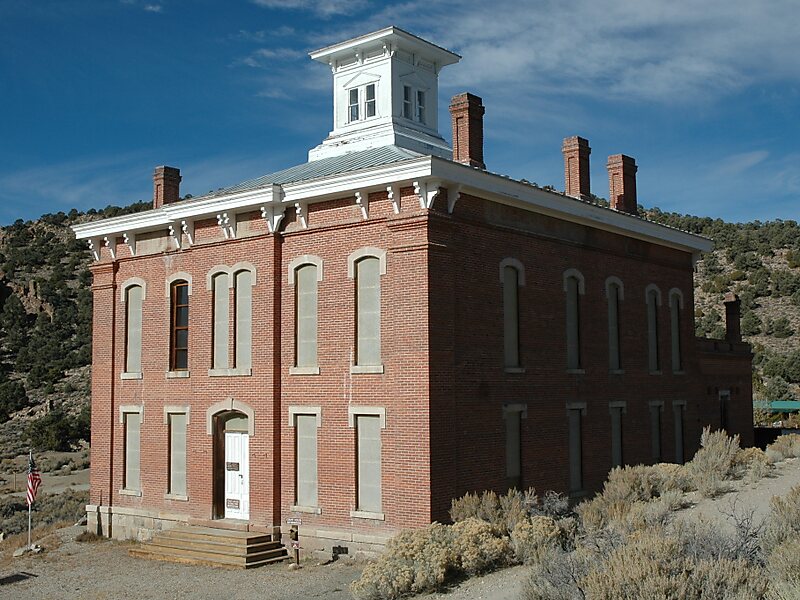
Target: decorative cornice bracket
{"x": 273, "y": 215}
{"x": 94, "y": 247}
{"x": 362, "y": 200}
{"x": 130, "y": 242}
{"x": 187, "y": 227}
{"x": 111, "y": 247}
{"x": 227, "y": 225}
{"x": 393, "y": 192}
{"x": 301, "y": 210}
{"x": 453, "y": 196}
{"x": 427, "y": 190}
{"x": 175, "y": 234}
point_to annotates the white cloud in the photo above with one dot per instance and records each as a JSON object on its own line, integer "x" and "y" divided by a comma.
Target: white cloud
{"x": 322, "y": 8}
{"x": 155, "y": 8}
{"x": 737, "y": 164}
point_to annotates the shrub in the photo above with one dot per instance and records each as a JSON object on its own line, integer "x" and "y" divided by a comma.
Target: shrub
{"x": 531, "y": 539}
{"x": 713, "y": 463}
{"x": 784, "y": 521}
{"x": 752, "y": 463}
{"x": 478, "y": 548}
{"x": 502, "y": 512}
{"x": 557, "y": 576}
{"x": 785, "y": 446}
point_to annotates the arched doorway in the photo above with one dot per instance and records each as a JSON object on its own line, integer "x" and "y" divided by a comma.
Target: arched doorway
{"x": 231, "y": 465}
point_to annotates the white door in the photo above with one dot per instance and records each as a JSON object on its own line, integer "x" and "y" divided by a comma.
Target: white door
{"x": 237, "y": 476}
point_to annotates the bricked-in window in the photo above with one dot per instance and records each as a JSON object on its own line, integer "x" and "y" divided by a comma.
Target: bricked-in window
{"x": 369, "y": 463}
{"x": 573, "y": 286}
{"x": 614, "y": 292}
{"x": 243, "y": 307}
{"x": 221, "y": 314}
{"x": 306, "y": 316}
{"x": 616, "y": 435}
{"x": 653, "y": 355}
{"x": 655, "y": 430}
{"x": 306, "y": 456}
{"x": 132, "y": 422}
{"x": 724, "y": 404}
{"x": 575, "y": 450}
{"x": 134, "y": 296}
{"x": 368, "y": 311}
{"x": 179, "y": 324}
{"x": 675, "y": 304}
{"x": 177, "y": 454}
{"x": 511, "y": 316}
{"x": 677, "y": 415}
{"x": 513, "y": 448}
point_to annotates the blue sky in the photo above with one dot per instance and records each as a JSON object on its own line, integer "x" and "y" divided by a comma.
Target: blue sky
{"x": 705, "y": 95}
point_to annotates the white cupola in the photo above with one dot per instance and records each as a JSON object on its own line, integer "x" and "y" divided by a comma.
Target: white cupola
{"x": 385, "y": 92}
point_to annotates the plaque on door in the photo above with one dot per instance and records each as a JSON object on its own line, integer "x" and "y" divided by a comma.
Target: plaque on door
{"x": 232, "y": 503}
{"x": 231, "y": 466}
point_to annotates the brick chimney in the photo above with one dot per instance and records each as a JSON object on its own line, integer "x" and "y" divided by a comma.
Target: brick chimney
{"x": 166, "y": 186}
{"x": 622, "y": 183}
{"x": 733, "y": 329}
{"x": 467, "y": 113}
{"x": 576, "y": 166}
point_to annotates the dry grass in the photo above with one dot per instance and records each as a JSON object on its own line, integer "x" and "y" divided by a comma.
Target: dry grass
{"x": 45, "y": 536}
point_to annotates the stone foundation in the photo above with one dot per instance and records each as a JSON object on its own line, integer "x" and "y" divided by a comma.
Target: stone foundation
{"x": 122, "y": 523}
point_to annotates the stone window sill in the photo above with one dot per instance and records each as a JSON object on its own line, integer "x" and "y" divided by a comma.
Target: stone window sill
{"x": 616, "y": 371}
{"x": 130, "y": 375}
{"x": 655, "y": 373}
{"x": 125, "y": 492}
{"x": 363, "y": 514}
{"x": 576, "y": 371}
{"x": 679, "y": 372}
{"x": 303, "y": 370}
{"x": 357, "y": 369}
{"x": 314, "y": 510}
{"x": 178, "y": 497}
{"x": 177, "y": 374}
{"x": 230, "y": 372}
{"x": 514, "y": 369}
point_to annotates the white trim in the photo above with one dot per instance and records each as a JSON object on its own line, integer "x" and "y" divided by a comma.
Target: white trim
{"x": 577, "y": 275}
{"x": 366, "y": 369}
{"x": 130, "y": 375}
{"x": 363, "y": 514}
{"x": 367, "y": 251}
{"x": 127, "y": 409}
{"x": 180, "y": 275}
{"x": 185, "y": 374}
{"x": 513, "y": 262}
{"x": 679, "y": 403}
{"x": 676, "y": 292}
{"x": 227, "y": 405}
{"x": 615, "y": 404}
{"x": 131, "y": 282}
{"x": 314, "y": 510}
{"x": 230, "y": 372}
{"x": 658, "y": 403}
{"x": 303, "y": 370}
{"x": 295, "y": 410}
{"x": 178, "y": 497}
{"x": 515, "y": 408}
{"x": 648, "y": 289}
{"x": 581, "y": 406}
{"x": 172, "y": 409}
{"x": 243, "y": 265}
{"x": 302, "y": 260}
{"x": 218, "y": 270}
{"x": 614, "y": 279}
{"x": 376, "y": 411}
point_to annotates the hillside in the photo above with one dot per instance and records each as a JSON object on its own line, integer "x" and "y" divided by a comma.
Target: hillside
{"x": 45, "y": 318}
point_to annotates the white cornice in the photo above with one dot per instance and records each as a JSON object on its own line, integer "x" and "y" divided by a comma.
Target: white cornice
{"x": 426, "y": 171}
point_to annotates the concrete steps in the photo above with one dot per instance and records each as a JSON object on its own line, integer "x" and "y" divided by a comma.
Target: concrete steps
{"x": 226, "y": 548}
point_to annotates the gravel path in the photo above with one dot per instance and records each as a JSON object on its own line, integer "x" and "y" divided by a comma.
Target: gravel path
{"x": 104, "y": 571}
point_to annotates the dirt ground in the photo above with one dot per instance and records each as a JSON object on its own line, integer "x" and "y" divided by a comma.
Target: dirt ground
{"x": 103, "y": 570}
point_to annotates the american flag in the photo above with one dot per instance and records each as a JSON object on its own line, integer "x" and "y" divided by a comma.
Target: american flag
{"x": 34, "y": 480}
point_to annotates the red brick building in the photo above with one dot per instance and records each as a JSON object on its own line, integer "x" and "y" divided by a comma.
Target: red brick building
{"x": 361, "y": 338}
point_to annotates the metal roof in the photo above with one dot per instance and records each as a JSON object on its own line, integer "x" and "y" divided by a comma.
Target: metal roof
{"x": 324, "y": 167}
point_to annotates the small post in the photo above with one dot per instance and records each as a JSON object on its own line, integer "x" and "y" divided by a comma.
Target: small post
{"x": 294, "y": 536}
{"x": 30, "y": 461}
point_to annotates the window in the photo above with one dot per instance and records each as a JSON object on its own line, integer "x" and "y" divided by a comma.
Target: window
{"x": 616, "y": 435}
{"x": 369, "y": 101}
{"x": 614, "y": 295}
{"x": 179, "y": 322}
{"x": 132, "y": 422}
{"x": 177, "y": 454}
{"x": 677, "y": 410}
{"x": 306, "y": 316}
{"x": 368, "y": 429}
{"x": 574, "y": 287}
{"x": 353, "y": 104}
{"x": 575, "y": 450}
{"x": 306, "y": 455}
{"x": 408, "y": 102}
{"x": 675, "y": 305}
{"x": 511, "y": 316}
{"x": 653, "y": 300}
{"x": 513, "y": 419}
{"x": 655, "y": 430}
{"x": 134, "y": 296}
{"x": 420, "y": 106}
{"x": 368, "y": 311}
{"x": 243, "y": 306}
{"x": 220, "y": 315}
{"x": 724, "y": 404}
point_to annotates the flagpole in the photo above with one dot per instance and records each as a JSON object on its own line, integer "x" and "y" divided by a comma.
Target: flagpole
{"x": 30, "y": 460}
